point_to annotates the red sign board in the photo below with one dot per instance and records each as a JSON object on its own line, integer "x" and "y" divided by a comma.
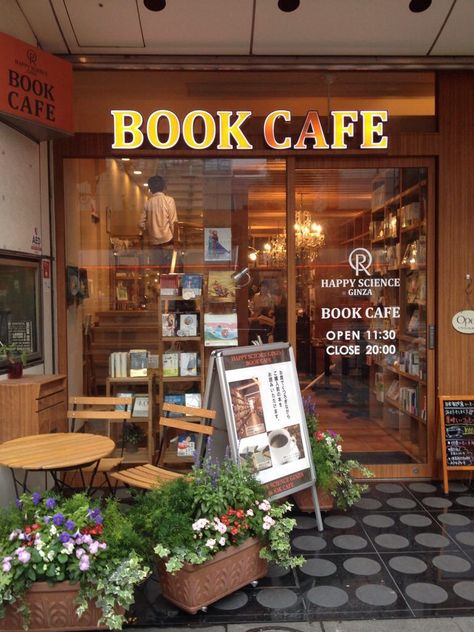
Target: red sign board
{"x": 35, "y": 86}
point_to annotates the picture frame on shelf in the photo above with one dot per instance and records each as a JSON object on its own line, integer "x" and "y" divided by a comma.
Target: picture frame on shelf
{"x": 217, "y": 244}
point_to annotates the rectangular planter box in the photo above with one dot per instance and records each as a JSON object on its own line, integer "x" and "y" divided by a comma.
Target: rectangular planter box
{"x": 53, "y": 609}
{"x": 195, "y": 587}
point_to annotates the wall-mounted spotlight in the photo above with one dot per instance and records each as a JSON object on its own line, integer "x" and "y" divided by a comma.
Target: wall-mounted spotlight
{"x": 155, "y": 5}
{"x": 418, "y": 6}
{"x": 241, "y": 278}
{"x": 288, "y": 5}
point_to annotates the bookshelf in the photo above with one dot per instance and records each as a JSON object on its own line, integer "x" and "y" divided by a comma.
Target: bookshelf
{"x": 138, "y": 387}
{"x": 397, "y": 233}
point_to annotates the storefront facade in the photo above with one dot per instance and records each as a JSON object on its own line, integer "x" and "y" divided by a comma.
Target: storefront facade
{"x": 373, "y": 337}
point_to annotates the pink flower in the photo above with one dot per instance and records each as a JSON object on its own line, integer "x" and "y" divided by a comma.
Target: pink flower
{"x": 24, "y": 556}
{"x": 79, "y": 553}
{"x": 84, "y": 563}
{"x": 93, "y": 547}
{"x": 6, "y": 564}
{"x": 265, "y": 505}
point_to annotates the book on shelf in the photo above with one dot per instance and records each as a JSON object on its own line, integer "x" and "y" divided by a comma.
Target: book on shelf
{"x": 169, "y": 284}
{"x": 186, "y": 445}
{"x": 169, "y": 324}
{"x": 379, "y": 386}
{"x": 118, "y": 364}
{"x": 191, "y": 285}
{"x": 193, "y": 400}
{"x": 138, "y": 362}
{"x": 413, "y": 326}
{"x": 220, "y": 330}
{"x": 140, "y": 406}
{"x": 153, "y": 361}
{"x": 188, "y": 363}
{"x": 188, "y": 325}
{"x": 409, "y": 399}
{"x": 170, "y": 364}
{"x": 410, "y": 361}
{"x": 178, "y": 399}
{"x": 221, "y": 285}
{"x": 123, "y": 394}
{"x": 393, "y": 390}
{"x": 410, "y": 214}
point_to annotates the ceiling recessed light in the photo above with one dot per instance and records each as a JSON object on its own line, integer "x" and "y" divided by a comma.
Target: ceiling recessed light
{"x": 418, "y": 6}
{"x": 145, "y": 184}
{"x": 137, "y": 172}
{"x": 125, "y": 159}
{"x": 288, "y": 5}
{"x": 155, "y": 5}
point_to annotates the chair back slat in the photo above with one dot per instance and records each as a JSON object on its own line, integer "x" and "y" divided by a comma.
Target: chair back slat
{"x": 189, "y": 410}
{"x": 90, "y": 413}
{"x": 172, "y": 422}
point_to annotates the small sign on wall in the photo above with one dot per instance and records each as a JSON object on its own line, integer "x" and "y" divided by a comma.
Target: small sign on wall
{"x": 464, "y": 321}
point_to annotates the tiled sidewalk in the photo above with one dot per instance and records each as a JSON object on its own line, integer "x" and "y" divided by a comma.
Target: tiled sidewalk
{"x": 404, "y": 552}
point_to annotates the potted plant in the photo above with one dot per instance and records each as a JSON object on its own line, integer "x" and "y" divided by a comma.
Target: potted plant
{"x": 335, "y": 475}
{"x": 132, "y": 436}
{"x": 16, "y": 359}
{"x": 66, "y": 564}
{"x": 213, "y": 532}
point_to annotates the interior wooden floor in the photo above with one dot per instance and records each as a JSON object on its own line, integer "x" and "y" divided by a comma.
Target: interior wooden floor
{"x": 359, "y": 432}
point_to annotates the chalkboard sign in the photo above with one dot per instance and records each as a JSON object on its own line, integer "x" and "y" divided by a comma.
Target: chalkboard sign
{"x": 457, "y": 433}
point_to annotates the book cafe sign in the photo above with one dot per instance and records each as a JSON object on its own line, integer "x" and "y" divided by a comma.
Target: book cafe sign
{"x": 200, "y": 129}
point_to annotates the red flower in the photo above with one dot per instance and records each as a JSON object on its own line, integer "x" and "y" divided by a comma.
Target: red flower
{"x": 35, "y": 526}
{"x": 240, "y": 513}
{"x": 27, "y": 529}
{"x": 234, "y": 531}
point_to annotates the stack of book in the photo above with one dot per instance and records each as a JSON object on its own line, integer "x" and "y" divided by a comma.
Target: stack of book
{"x": 182, "y": 364}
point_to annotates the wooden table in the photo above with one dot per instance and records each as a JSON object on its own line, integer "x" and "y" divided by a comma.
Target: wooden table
{"x": 54, "y": 452}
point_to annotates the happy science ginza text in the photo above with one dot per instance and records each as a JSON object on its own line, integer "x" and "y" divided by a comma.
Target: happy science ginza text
{"x": 199, "y": 129}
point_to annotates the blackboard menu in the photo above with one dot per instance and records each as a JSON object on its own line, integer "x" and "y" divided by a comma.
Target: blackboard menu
{"x": 458, "y": 417}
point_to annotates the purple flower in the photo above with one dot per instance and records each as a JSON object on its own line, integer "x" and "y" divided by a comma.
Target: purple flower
{"x": 36, "y": 498}
{"x": 24, "y": 556}
{"x": 50, "y": 503}
{"x": 64, "y": 537}
{"x": 79, "y": 553}
{"x": 95, "y": 515}
{"x": 19, "y": 503}
{"x": 84, "y": 563}
{"x": 58, "y": 519}
{"x": 70, "y": 525}
{"x": 47, "y": 519}
{"x": 6, "y": 564}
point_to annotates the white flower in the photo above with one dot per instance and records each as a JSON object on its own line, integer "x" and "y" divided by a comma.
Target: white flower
{"x": 249, "y": 512}
{"x": 53, "y": 530}
{"x": 68, "y": 547}
{"x": 339, "y": 448}
{"x": 222, "y": 541}
{"x": 200, "y": 524}
{"x": 268, "y": 522}
{"x": 210, "y": 543}
{"x": 265, "y": 505}
{"x": 14, "y": 534}
{"x": 50, "y": 556}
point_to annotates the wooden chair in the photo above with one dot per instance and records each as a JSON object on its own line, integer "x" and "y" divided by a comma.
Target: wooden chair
{"x": 150, "y": 476}
{"x": 108, "y": 410}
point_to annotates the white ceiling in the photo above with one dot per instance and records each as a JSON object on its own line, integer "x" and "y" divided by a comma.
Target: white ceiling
{"x": 243, "y": 27}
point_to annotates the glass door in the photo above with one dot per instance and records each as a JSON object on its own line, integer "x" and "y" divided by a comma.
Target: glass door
{"x": 361, "y": 306}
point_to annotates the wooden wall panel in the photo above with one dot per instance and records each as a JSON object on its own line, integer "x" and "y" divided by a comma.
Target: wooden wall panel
{"x": 455, "y": 229}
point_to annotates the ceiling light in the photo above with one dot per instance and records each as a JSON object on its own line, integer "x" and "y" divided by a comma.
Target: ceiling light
{"x": 145, "y": 184}
{"x": 155, "y": 5}
{"x": 125, "y": 159}
{"x": 418, "y": 6}
{"x": 288, "y": 5}
{"x": 137, "y": 172}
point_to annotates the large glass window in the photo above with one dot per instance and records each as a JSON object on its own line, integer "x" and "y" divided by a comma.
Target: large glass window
{"x": 361, "y": 296}
{"x": 208, "y": 283}
{"x": 20, "y": 307}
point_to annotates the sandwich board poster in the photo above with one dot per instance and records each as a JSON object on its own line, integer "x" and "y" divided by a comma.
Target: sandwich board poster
{"x": 260, "y": 416}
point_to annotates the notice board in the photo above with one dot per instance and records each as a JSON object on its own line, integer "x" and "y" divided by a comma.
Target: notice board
{"x": 260, "y": 416}
{"x": 456, "y": 414}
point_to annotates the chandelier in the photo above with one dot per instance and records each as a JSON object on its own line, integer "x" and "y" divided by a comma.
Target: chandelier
{"x": 309, "y": 238}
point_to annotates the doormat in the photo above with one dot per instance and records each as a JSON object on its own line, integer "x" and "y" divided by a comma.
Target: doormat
{"x": 380, "y": 458}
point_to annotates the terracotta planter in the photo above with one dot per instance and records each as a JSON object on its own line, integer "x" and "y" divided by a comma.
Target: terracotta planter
{"x": 195, "y": 587}
{"x": 53, "y": 608}
{"x": 304, "y": 500}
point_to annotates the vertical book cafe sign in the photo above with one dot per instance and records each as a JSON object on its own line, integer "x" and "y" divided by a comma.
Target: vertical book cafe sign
{"x": 35, "y": 86}
{"x": 456, "y": 415}
{"x": 256, "y": 390}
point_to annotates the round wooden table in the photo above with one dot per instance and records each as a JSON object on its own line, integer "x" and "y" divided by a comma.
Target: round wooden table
{"x": 54, "y": 452}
